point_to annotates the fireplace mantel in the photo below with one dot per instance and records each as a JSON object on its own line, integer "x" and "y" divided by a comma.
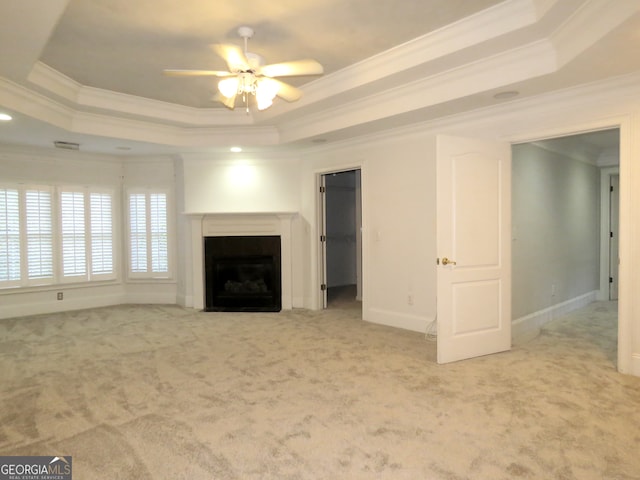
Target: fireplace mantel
{"x": 241, "y": 224}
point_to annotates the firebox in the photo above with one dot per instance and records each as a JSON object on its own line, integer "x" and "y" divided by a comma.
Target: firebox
{"x": 242, "y": 274}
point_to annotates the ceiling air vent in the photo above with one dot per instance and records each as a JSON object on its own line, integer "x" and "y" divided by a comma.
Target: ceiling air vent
{"x": 67, "y": 145}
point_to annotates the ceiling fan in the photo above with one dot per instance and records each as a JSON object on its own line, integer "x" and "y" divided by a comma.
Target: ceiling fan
{"x": 248, "y": 75}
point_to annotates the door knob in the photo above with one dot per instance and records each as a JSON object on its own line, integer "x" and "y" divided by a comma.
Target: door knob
{"x": 446, "y": 261}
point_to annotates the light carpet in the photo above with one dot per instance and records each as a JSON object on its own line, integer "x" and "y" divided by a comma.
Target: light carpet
{"x": 162, "y": 392}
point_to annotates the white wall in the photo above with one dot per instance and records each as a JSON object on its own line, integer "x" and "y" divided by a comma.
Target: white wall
{"x": 398, "y": 216}
{"x": 556, "y": 229}
{"x": 398, "y": 194}
{"x": 58, "y": 167}
{"x": 244, "y": 183}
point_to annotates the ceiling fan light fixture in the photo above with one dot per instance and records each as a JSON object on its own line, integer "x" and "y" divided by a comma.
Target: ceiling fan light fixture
{"x": 263, "y": 103}
{"x": 228, "y": 87}
{"x": 267, "y": 88}
{"x": 266, "y": 91}
{"x": 247, "y": 75}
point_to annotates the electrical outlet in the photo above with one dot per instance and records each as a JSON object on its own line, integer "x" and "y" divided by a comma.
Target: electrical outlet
{"x": 410, "y": 299}
{"x": 553, "y": 289}
{"x": 60, "y": 295}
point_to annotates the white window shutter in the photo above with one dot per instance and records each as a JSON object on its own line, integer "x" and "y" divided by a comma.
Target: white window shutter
{"x": 159, "y": 233}
{"x": 74, "y": 254}
{"x": 9, "y": 237}
{"x": 101, "y": 234}
{"x": 148, "y": 235}
{"x": 39, "y": 235}
{"x": 138, "y": 232}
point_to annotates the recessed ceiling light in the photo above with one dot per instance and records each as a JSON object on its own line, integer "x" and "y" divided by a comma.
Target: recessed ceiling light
{"x": 506, "y": 94}
{"x": 5, "y": 117}
{"x": 236, "y": 149}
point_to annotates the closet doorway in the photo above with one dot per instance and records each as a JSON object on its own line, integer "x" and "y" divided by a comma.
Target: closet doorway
{"x": 341, "y": 239}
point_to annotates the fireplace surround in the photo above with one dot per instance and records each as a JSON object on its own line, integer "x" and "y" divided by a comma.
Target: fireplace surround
{"x": 204, "y": 225}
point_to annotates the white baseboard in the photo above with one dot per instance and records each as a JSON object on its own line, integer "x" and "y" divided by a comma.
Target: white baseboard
{"x": 184, "y": 300}
{"x": 528, "y": 327}
{"x": 160, "y": 298}
{"x": 634, "y": 365}
{"x": 39, "y": 308}
{"x": 405, "y": 321}
{"x": 298, "y": 302}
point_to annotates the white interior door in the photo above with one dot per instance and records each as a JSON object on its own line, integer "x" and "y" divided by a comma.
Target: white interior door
{"x": 473, "y": 247}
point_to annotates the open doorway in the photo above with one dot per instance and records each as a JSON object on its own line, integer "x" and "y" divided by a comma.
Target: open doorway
{"x": 341, "y": 239}
{"x": 565, "y": 228}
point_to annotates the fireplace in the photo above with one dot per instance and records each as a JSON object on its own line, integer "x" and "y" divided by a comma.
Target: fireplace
{"x": 243, "y": 273}
{"x": 254, "y": 224}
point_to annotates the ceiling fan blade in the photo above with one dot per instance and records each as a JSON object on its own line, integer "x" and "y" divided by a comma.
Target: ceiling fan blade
{"x": 195, "y": 73}
{"x": 292, "y": 69}
{"x": 230, "y": 102}
{"x": 233, "y": 55}
{"x": 287, "y": 92}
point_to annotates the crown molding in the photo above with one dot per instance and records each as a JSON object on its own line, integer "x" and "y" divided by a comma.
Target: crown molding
{"x": 514, "y": 121}
{"x": 40, "y": 107}
{"x": 54, "y": 82}
{"x": 587, "y": 107}
{"x": 506, "y": 17}
{"x": 588, "y": 24}
{"x": 109, "y": 126}
{"x": 83, "y": 97}
{"x": 47, "y": 154}
{"x": 34, "y": 104}
{"x": 162, "y": 111}
{"x": 535, "y": 59}
{"x": 264, "y": 157}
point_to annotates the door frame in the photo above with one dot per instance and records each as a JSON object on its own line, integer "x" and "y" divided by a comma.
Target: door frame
{"x": 320, "y": 225}
{"x": 624, "y": 124}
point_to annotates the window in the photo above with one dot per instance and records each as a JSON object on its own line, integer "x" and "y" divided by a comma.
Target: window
{"x": 39, "y": 235}
{"x": 74, "y": 239}
{"x": 87, "y": 234}
{"x": 101, "y": 234}
{"x": 52, "y": 235}
{"x": 148, "y": 235}
{"x": 9, "y": 237}
{"x": 158, "y": 227}
{"x": 138, "y": 232}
